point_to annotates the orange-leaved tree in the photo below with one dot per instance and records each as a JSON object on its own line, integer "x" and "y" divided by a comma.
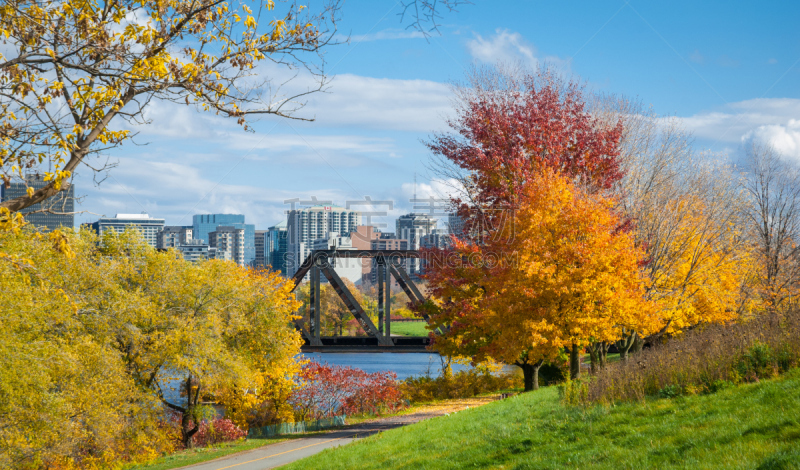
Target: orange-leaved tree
{"x": 563, "y": 275}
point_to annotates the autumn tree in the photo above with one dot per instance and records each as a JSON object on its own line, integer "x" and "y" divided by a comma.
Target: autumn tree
{"x": 685, "y": 208}
{"x": 66, "y": 399}
{"x": 194, "y": 331}
{"x": 113, "y": 332}
{"x": 772, "y": 186}
{"x": 75, "y": 76}
{"x": 566, "y": 277}
{"x": 511, "y": 126}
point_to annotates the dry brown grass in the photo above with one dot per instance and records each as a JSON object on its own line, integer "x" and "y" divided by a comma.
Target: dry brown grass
{"x": 703, "y": 360}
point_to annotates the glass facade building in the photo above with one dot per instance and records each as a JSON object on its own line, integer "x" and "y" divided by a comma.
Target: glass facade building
{"x": 60, "y": 206}
{"x": 276, "y": 246}
{"x": 203, "y": 224}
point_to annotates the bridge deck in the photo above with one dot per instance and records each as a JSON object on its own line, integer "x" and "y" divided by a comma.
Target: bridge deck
{"x": 363, "y": 344}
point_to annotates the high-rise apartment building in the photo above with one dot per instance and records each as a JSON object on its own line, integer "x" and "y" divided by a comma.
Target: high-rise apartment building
{"x": 438, "y": 238}
{"x": 277, "y": 243}
{"x": 455, "y": 225}
{"x": 262, "y": 252}
{"x": 146, "y": 225}
{"x": 229, "y": 242}
{"x": 412, "y": 227}
{"x": 203, "y": 224}
{"x": 196, "y": 250}
{"x": 48, "y": 215}
{"x": 173, "y": 236}
{"x": 312, "y": 223}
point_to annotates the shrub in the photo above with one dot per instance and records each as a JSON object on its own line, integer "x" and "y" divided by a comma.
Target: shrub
{"x": 328, "y": 390}
{"x": 670, "y": 391}
{"x": 704, "y": 360}
{"x": 218, "y": 430}
{"x": 574, "y": 392}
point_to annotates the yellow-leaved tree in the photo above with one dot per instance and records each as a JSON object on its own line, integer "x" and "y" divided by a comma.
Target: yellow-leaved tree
{"x": 102, "y": 335}
{"x": 76, "y": 75}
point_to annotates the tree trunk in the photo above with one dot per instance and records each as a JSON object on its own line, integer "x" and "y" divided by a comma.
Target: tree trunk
{"x": 530, "y": 373}
{"x": 598, "y": 355}
{"x": 574, "y": 362}
{"x": 638, "y": 344}
{"x": 188, "y": 417}
{"x": 624, "y": 346}
{"x": 604, "y": 355}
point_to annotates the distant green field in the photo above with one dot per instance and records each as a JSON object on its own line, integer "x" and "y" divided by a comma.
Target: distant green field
{"x": 409, "y": 328}
{"x": 755, "y": 426}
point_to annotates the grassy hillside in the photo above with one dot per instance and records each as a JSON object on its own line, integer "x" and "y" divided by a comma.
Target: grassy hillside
{"x": 409, "y": 328}
{"x": 754, "y": 426}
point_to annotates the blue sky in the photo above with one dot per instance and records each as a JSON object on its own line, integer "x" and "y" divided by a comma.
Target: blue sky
{"x": 730, "y": 70}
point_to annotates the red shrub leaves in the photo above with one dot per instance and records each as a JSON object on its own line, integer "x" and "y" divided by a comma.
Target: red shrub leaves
{"x": 216, "y": 431}
{"x": 330, "y": 390}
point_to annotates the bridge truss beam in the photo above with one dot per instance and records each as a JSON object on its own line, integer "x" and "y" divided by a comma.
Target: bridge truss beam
{"x": 388, "y": 265}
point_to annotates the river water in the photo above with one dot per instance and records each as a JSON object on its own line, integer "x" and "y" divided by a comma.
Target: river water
{"x": 403, "y": 364}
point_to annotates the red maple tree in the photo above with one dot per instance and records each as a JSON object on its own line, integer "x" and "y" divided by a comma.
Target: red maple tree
{"x": 509, "y": 129}
{"x": 509, "y": 125}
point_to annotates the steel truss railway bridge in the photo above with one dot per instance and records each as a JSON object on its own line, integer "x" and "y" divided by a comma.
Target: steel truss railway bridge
{"x": 389, "y": 264}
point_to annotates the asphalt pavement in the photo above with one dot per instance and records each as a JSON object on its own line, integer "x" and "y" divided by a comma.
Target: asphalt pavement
{"x": 282, "y": 453}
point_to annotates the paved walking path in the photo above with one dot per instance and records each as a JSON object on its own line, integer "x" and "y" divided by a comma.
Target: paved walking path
{"x": 285, "y": 452}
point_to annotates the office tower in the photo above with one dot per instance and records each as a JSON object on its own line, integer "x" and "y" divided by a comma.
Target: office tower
{"x": 412, "y": 227}
{"x": 196, "y": 250}
{"x": 173, "y": 236}
{"x": 312, "y": 223}
{"x": 455, "y": 225}
{"x": 146, "y": 225}
{"x": 49, "y": 214}
{"x": 276, "y": 247}
{"x": 438, "y": 238}
{"x": 203, "y": 224}
{"x": 262, "y": 252}
{"x": 229, "y": 242}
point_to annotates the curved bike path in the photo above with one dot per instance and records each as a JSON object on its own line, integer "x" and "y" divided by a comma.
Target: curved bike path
{"x": 282, "y": 453}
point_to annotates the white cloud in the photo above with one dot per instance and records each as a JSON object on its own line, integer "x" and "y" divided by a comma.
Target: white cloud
{"x": 509, "y": 47}
{"x": 440, "y": 190}
{"x": 404, "y": 105}
{"x": 784, "y": 138}
{"x": 735, "y": 120}
{"x": 351, "y": 101}
{"x": 176, "y": 191}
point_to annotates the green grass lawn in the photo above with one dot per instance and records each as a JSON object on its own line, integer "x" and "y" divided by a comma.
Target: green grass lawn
{"x": 203, "y": 454}
{"x": 754, "y": 426}
{"x": 409, "y": 328}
